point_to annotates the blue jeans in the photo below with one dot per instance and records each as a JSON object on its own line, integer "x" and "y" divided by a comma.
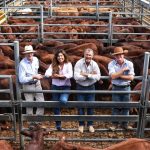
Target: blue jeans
{"x": 85, "y": 97}
{"x": 62, "y": 98}
{"x": 120, "y": 98}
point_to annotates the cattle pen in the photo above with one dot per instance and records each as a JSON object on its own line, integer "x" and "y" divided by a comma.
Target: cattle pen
{"x": 74, "y": 25}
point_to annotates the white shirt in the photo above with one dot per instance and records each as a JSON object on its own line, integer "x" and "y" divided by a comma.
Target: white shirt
{"x": 67, "y": 71}
{"x": 27, "y": 69}
{"x": 81, "y": 66}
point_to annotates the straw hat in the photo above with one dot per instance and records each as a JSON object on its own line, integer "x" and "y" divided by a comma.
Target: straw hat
{"x": 119, "y": 50}
{"x": 28, "y": 49}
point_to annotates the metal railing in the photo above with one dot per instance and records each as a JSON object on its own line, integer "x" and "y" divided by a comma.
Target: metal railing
{"x": 5, "y": 104}
{"x": 139, "y": 119}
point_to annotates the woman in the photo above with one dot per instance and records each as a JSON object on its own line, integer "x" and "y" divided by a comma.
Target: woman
{"x": 60, "y": 71}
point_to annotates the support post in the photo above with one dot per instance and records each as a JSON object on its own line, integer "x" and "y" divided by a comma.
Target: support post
{"x": 142, "y": 109}
{"x": 18, "y": 96}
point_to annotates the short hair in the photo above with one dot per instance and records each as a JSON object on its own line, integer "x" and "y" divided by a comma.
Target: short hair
{"x": 88, "y": 50}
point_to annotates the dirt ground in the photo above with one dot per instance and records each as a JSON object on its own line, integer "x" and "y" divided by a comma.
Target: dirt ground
{"x": 102, "y": 132}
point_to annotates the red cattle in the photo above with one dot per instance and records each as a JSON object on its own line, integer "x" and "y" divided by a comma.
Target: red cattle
{"x": 2, "y": 38}
{"x": 7, "y": 50}
{"x": 62, "y": 145}
{"x": 43, "y": 66}
{"x": 143, "y": 44}
{"x": 4, "y": 145}
{"x": 52, "y": 43}
{"x": 130, "y": 144}
{"x": 78, "y": 50}
{"x": 7, "y": 29}
{"x": 64, "y": 46}
{"x": 99, "y": 44}
{"x": 4, "y": 83}
{"x": 136, "y": 97}
{"x": 37, "y": 138}
{"x": 31, "y": 33}
{"x": 6, "y": 62}
{"x": 102, "y": 59}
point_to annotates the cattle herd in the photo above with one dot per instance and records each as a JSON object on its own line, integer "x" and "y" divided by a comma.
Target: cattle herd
{"x": 74, "y": 47}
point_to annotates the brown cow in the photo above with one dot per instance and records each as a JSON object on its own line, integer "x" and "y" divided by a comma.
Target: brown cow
{"x": 78, "y": 50}
{"x": 32, "y": 29}
{"x": 6, "y": 62}
{"x": 7, "y": 29}
{"x": 62, "y": 145}
{"x": 4, "y": 145}
{"x": 142, "y": 44}
{"x": 130, "y": 144}
{"x": 7, "y": 50}
{"x": 37, "y": 138}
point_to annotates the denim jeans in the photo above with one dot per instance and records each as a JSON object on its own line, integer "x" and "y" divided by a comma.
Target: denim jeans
{"x": 85, "y": 97}
{"x": 121, "y": 98}
{"x": 62, "y": 98}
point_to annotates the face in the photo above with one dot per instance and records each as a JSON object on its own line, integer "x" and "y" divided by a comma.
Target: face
{"x": 88, "y": 55}
{"x": 60, "y": 58}
{"x": 29, "y": 56}
{"x": 120, "y": 58}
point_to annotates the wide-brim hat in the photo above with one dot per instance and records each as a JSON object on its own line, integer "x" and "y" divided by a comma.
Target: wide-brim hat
{"x": 119, "y": 50}
{"x": 28, "y": 49}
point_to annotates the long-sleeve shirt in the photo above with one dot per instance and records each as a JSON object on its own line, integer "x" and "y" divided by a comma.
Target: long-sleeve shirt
{"x": 92, "y": 69}
{"x": 67, "y": 71}
{"x": 114, "y": 67}
{"x": 27, "y": 69}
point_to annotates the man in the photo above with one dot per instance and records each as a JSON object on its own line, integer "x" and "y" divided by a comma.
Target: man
{"x": 122, "y": 73}
{"x": 30, "y": 79}
{"x": 86, "y": 74}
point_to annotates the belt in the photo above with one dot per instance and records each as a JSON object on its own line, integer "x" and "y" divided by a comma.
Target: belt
{"x": 121, "y": 86}
{"x": 86, "y": 86}
{"x": 32, "y": 82}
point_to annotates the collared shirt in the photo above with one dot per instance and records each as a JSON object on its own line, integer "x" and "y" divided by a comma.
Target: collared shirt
{"x": 27, "y": 69}
{"x": 114, "y": 67}
{"x": 67, "y": 71}
{"x": 81, "y": 66}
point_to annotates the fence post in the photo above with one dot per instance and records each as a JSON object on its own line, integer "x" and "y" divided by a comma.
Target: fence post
{"x": 110, "y": 36}
{"x": 142, "y": 109}
{"x": 18, "y": 96}
{"x": 97, "y": 10}
{"x": 41, "y": 28}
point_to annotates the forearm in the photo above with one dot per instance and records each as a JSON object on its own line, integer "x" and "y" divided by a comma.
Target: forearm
{"x": 127, "y": 77}
{"x": 116, "y": 74}
{"x": 57, "y": 76}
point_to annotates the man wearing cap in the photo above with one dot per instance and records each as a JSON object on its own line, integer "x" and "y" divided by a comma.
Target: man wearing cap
{"x": 121, "y": 72}
{"x": 30, "y": 79}
{"x": 86, "y": 74}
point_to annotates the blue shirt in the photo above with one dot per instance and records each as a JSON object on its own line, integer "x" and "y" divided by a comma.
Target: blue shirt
{"x": 114, "y": 67}
{"x": 27, "y": 69}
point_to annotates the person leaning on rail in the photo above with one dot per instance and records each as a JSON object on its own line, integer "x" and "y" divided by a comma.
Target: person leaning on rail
{"x": 86, "y": 74}
{"x": 61, "y": 72}
{"x": 30, "y": 78}
{"x": 121, "y": 72}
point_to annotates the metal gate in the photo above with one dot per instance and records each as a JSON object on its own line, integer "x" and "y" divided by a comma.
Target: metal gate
{"x": 140, "y": 119}
{"x": 10, "y": 103}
